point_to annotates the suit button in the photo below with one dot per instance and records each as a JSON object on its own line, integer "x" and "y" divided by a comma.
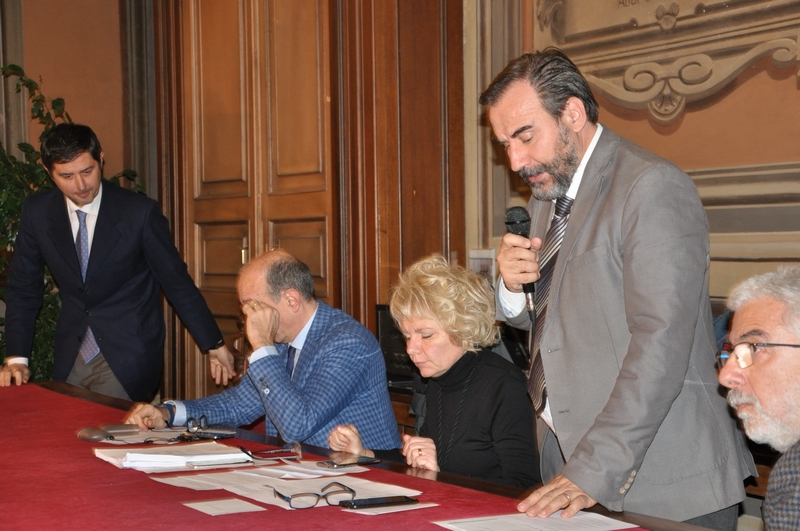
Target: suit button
{"x": 80, "y": 290}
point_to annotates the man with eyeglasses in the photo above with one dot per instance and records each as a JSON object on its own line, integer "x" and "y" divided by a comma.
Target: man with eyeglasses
{"x": 761, "y": 367}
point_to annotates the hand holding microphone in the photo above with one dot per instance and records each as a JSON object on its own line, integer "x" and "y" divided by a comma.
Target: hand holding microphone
{"x": 518, "y": 259}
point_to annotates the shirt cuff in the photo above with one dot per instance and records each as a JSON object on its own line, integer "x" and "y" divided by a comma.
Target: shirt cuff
{"x": 512, "y": 304}
{"x": 263, "y": 352}
{"x": 180, "y": 413}
{"x": 19, "y": 359}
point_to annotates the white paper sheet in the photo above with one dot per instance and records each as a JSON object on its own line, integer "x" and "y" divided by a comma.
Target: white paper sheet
{"x": 391, "y": 509}
{"x": 173, "y": 458}
{"x": 520, "y": 522}
{"x": 228, "y": 506}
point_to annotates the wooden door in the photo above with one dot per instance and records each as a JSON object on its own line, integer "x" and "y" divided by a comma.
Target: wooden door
{"x": 245, "y": 141}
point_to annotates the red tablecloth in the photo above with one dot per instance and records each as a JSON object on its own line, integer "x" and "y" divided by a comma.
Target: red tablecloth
{"x": 52, "y": 480}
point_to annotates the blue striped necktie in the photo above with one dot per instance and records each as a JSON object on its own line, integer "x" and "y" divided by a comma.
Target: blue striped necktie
{"x": 88, "y": 349}
{"x": 547, "y": 259}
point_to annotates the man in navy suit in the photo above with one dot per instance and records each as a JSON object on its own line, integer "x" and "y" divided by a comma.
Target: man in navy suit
{"x": 761, "y": 366}
{"x": 312, "y": 368}
{"x": 109, "y": 250}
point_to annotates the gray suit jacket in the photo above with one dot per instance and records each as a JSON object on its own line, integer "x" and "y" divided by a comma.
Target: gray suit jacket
{"x": 628, "y": 344}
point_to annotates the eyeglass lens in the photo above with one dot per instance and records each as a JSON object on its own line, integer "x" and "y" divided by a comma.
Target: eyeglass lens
{"x": 743, "y": 354}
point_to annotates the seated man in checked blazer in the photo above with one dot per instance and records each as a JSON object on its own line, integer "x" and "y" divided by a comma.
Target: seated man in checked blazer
{"x": 312, "y": 368}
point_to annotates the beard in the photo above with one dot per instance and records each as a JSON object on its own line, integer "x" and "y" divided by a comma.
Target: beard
{"x": 561, "y": 170}
{"x": 761, "y": 426}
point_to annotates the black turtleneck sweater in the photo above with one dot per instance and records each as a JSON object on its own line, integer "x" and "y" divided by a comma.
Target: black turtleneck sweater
{"x": 494, "y": 438}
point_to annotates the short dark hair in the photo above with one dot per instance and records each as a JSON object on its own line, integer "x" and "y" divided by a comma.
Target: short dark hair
{"x": 64, "y": 142}
{"x": 287, "y": 272}
{"x": 553, "y": 76}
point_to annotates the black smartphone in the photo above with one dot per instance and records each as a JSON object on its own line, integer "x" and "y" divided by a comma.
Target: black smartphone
{"x": 215, "y": 434}
{"x": 353, "y": 460}
{"x": 366, "y": 503}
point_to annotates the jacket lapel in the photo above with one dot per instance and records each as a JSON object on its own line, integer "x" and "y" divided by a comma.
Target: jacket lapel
{"x": 586, "y": 202}
{"x": 313, "y": 341}
{"x": 106, "y": 235}
{"x": 60, "y": 233}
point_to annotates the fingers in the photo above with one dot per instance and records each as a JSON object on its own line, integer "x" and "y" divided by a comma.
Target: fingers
{"x": 420, "y": 452}
{"x": 146, "y": 417}
{"x": 518, "y": 261}
{"x": 261, "y": 324}
{"x": 345, "y": 438}
{"x": 135, "y": 416}
{"x": 16, "y": 372}
{"x": 219, "y": 372}
{"x": 559, "y": 494}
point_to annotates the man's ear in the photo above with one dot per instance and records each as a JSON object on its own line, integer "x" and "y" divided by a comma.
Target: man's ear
{"x": 293, "y": 299}
{"x": 574, "y": 114}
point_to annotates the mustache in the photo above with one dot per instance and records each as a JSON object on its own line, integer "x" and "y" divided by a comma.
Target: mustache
{"x": 737, "y": 398}
{"x": 531, "y": 171}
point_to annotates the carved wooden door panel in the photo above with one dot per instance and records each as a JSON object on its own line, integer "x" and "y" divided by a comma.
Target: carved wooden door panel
{"x": 246, "y": 129}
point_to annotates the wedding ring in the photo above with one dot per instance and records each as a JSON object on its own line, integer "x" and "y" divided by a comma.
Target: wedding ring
{"x": 569, "y": 498}
{"x": 419, "y": 451}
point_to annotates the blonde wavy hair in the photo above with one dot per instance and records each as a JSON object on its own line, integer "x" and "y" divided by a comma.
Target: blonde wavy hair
{"x": 458, "y": 299}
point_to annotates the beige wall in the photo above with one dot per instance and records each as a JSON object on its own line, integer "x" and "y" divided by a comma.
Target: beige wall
{"x": 77, "y": 53}
{"x": 755, "y": 120}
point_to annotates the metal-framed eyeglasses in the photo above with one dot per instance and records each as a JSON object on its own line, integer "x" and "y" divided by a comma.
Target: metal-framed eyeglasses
{"x": 332, "y": 493}
{"x": 744, "y": 353}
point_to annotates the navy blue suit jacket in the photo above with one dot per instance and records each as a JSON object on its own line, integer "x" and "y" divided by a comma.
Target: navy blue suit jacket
{"x": 132, "y": 254}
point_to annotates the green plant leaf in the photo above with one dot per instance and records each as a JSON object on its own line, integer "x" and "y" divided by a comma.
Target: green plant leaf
{"x": 58, "y": 106}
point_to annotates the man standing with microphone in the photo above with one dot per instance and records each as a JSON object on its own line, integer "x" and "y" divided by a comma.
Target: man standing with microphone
{"x": 622, "y": 360}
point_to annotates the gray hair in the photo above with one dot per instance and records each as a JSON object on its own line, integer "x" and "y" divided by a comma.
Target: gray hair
{"x": 782, "y": 285}
{"x": 287, "y": 272}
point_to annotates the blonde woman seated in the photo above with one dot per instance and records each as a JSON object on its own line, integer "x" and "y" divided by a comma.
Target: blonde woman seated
{"x": 479, "y": 420}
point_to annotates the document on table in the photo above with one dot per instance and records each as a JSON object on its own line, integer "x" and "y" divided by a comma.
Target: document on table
{"x": 252, "y": 476}
{"x": 521, "y": 522}
{"x": 229, "y": 506}
{"x": 264, "y": 492}
{"x": 208, "y": 454}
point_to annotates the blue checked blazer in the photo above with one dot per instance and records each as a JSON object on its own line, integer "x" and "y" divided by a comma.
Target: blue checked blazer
{"x": 782, "y": 505}
{"x": 340, "y": 378}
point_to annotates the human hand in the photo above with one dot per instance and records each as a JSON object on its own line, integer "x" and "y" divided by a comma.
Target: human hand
{"x": 18, "y": 371}
{"x": 346, "y": 439}
{"x": 147, "y": 417}
{"x": 518, "y": 261}
{"x": 221, "y": 361}
{"x": 420, "y": 452}
{"x": 560, "y": 493}
{"x": 261, "y": 323}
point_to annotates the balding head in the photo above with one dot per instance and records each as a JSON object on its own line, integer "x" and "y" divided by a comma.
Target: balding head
{"x": 272, "y": 273}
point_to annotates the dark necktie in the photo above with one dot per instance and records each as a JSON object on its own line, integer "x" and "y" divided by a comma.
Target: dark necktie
{"x": 88, "y": 348}
{"x": 547, "y": 259}
{"x": 290, "y": 361}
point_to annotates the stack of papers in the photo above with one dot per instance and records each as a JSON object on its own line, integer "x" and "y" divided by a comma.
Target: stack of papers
{"x": 206, "y": 454}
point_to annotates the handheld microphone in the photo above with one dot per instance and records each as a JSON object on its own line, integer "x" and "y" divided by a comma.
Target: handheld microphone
{"x": 518, "y": 222}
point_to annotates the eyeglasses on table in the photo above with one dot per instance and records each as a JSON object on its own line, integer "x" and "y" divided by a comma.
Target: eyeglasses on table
{"x": 332, "y": 493}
